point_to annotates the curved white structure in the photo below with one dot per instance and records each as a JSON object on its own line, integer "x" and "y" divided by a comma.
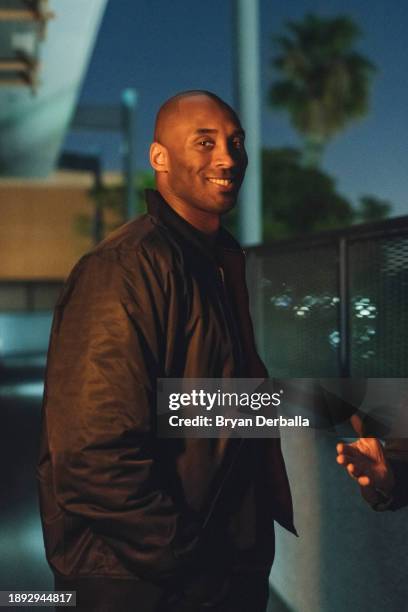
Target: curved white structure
{"x": 33, "y": 125}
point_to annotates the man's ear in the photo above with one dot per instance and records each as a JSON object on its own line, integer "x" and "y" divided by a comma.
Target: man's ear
{"x": 158, "y": 157}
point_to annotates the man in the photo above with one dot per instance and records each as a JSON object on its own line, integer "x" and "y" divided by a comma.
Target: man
{"x": 131, "y": 521}
{"x": 381, "y": 471}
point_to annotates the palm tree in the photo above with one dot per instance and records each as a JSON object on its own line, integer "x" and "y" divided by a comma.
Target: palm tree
{"x": 325, "y": 83}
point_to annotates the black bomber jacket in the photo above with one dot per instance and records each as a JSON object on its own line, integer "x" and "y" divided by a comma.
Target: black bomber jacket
{"x": 150, "y": 302}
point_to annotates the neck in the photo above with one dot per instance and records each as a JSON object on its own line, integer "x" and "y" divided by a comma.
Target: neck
{"x": 205, "y": 222}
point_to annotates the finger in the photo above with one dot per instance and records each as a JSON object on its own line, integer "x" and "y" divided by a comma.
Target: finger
{"x": 345, "y": 459}
{"x": 357, "y": 424}
{"x": 349, "y": 450}
{"x": 355, "y": 471}
{"x": 364, "y": 481}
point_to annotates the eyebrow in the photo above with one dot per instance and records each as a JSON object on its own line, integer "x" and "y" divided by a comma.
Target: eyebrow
{"x": 200, "y": 131}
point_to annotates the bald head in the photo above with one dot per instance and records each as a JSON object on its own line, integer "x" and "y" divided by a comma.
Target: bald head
{"x": 172, "y": 111}
{"x": 198, "y": 156}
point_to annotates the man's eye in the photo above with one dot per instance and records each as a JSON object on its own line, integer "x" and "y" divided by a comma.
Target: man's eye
{"x": 206, "y": 143}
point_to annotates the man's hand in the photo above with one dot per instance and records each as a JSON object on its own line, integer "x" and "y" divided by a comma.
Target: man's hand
{"x": 365, "y": 462}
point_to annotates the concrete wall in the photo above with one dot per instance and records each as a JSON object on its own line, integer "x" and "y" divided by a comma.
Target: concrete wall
{"x": 33, "y": 127}
{"x": 347, "y": 557}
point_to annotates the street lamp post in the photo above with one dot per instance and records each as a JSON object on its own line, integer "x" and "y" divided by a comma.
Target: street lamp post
{"x": 129, "y": 100}
{"x": 247, "y": 93}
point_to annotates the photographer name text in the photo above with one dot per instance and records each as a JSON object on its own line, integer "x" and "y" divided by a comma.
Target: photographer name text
{"x": 237, "y": 422}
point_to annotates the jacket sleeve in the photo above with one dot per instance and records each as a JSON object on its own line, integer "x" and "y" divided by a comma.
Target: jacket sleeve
{"x": 107, "y": 349}
{"x": 396, "y": 451}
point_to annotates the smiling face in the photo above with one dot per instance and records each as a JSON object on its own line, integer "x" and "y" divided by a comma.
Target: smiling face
{"x": 200, "y": 159}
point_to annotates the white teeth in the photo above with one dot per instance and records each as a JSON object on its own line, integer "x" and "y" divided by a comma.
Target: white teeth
{"x": 223, "y": 182}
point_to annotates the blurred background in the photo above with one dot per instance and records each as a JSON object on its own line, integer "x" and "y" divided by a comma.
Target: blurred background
{"x": 321, "y": 91}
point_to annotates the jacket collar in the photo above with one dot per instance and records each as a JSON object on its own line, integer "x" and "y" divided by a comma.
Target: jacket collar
{"x": 158, "y": 208}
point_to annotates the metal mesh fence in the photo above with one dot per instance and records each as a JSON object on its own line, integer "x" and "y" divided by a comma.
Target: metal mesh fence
{"x": 378, "y": 270}
{"x": 329, "y": 306}
{"x": 297, "y": 311}
{"x": 323, "y": 310}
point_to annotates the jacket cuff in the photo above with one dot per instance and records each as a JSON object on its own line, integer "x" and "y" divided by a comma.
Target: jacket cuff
{"x": 400, "y": 491}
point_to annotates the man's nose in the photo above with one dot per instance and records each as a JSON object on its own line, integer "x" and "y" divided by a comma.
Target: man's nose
{"x": 224, "y": 156}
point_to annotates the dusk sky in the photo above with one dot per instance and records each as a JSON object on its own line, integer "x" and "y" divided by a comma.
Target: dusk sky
{"x": 160, "y": 48}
